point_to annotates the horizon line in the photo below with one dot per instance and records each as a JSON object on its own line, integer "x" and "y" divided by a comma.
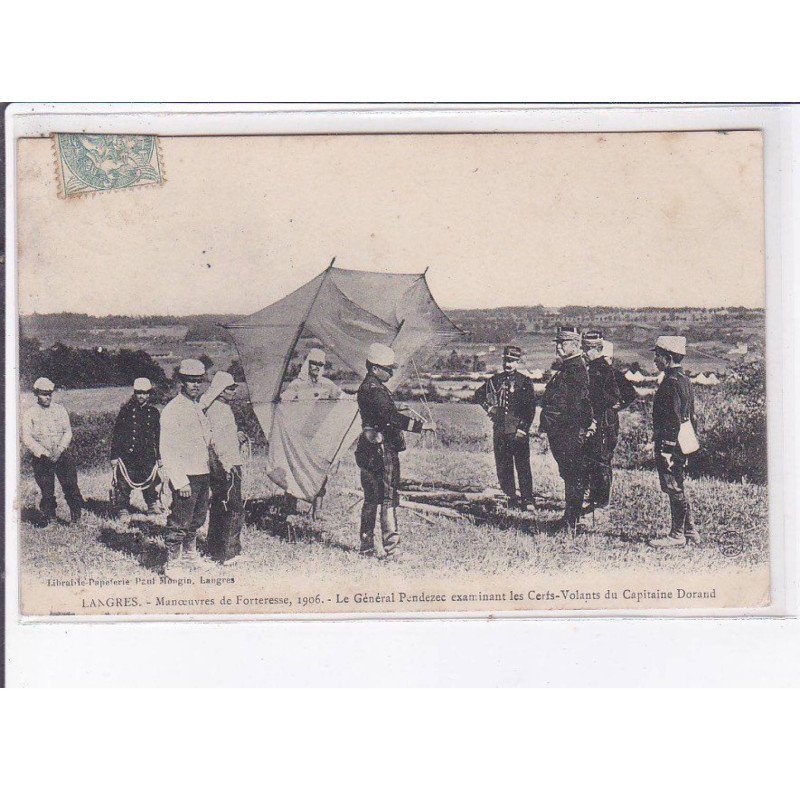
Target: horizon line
{"x": 444, "y": 308}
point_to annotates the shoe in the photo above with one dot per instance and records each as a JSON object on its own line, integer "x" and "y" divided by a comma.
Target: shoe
{"x": 693, "y": 537}
{"x": 573, "y": 527}
{"x": 600, "y": 517}
{"x": 668, "y": 541}
{"x": 175, "y": 570}
{"x": 367, "y": 552}
{"x": 195, "y": 562}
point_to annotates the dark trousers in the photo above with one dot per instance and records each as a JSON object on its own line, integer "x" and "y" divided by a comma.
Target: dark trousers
{"x": 599, "y": 452}
{"x": 380, "y": 489}
{"x": 510, "y": 452}
{"x": 121, "y": 493}
{"x": 46, "y": 472}
{"x": 187, "y": 515}
{"x": 566, "y": 445}
{"x": 671, "y": 480}
{"x": 226, "y": 515}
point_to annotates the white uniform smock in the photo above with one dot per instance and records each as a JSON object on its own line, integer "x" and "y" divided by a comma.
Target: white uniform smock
{"x": 46, "y": 429}
{"x": 184, "y": 442}
{"x": 224, "y": 434}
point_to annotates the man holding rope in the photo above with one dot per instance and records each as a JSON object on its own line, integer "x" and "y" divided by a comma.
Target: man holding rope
{"x": 135, "y": 451}
{"x": 226, "y": 514}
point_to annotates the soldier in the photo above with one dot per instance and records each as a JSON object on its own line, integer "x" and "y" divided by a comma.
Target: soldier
{"x": 135, "y": 461}
{"x": 606, "y": 400}
{"x": 47, "y": 433}
{"x": 510, "y": 401}
{"x": 566, "y": 417}
{"x": 311, "y": 384}
{"x": 673, "y": 405}
{"x": 227, "y": 509}
{"x": 627, "y": 391}
{"x": 184, "y": 446}
{"x": 377, "y": 451}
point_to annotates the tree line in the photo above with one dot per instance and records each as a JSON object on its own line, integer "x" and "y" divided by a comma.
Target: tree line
{"x": 77, "y": 368}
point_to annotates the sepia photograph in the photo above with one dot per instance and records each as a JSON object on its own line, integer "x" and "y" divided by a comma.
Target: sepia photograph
{"x": 394, "y": 374}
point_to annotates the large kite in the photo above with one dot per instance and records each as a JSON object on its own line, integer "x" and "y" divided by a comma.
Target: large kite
{"x": 345, "y": 311}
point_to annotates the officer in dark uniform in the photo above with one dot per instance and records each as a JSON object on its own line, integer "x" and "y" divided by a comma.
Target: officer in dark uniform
{"x": 135, "y": 450}
{"x": 607, "y": 400}
{"x": 510, "y": 401}
{"x": 377, "y": 451}
{"x": 566, "y": 417}
{"x": 673, "y": 404}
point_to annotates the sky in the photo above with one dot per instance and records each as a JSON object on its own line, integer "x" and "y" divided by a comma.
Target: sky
{"x": 629, "y": 219}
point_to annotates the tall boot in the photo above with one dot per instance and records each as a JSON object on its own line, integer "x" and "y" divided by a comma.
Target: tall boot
{"x": 675, "y": 537}
{"x": 173, "y": 566}
{"x": 678, "y": 509}
{"x": 369, "y": 513}
{"x": 389, "y": 533}
{"x": 689, "y": 531}
{"x": 573, "y": 503}
{"x": 190, "y": 555}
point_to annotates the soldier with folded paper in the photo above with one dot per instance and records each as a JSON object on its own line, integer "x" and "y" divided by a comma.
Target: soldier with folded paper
{"x": 674, "y": 437}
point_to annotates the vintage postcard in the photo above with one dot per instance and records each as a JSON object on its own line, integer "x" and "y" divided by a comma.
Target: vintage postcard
{"x": 455, "y": 373}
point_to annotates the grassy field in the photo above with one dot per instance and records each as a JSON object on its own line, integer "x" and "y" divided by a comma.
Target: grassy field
{"x": 490, "y": 544}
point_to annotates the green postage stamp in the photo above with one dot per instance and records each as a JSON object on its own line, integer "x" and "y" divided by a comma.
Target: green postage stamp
{"x": 89, "y": 163}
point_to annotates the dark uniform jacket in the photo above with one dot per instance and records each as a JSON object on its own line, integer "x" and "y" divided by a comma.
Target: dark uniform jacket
{"x": 135, "y": 438}
{"x": 513, "y": 395}
{"x": 565, "y": 402}
{"x": 627, "y": 391}
{"x": 605, "y": 393}
{"x": 379, "y": 413}
{"x": 673, "y": 404}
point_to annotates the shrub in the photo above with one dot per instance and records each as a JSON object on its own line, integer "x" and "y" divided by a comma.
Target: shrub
{"x": 731, "y": 426}
{"x": 75, "y": 368}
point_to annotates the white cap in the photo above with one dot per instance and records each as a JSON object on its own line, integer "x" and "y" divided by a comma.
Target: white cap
{"x": 672, "y": 344}
{"x": 43, "y": 385}
{"x": 224, "y": 380}
{"x": 192, "y": 368}
{"x": 381, "y": 355}
{"x": 142, "y": 385}
{"x": 608, "y": 349}
{"x": 315, "y": 354}
{"x": 219, "y": 383}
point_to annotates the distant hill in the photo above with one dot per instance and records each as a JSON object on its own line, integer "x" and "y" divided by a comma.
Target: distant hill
{"x": 713, "y": 333}
{"x": 634, "y": 325}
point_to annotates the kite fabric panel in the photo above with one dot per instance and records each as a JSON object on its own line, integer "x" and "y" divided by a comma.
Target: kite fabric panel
{"x": 347, "y": 311}
{"x": 263, "y": 341}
